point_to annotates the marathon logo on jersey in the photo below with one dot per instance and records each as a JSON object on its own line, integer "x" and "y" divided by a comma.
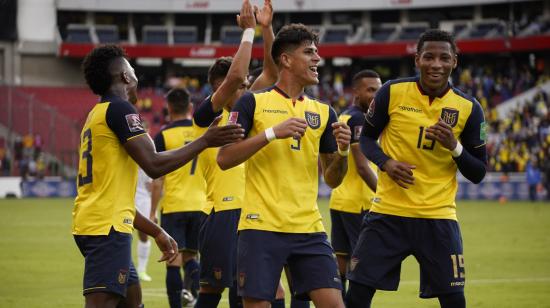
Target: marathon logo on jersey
{"x": 449, "y": 116}
{"x": 134, "y": 122}
{"x": 313, "y": 119}
{"x": 122, "y": 276}
{"x": 127, "y": 221}
{"x": 227, "y": 199}
{"x": 357, "y": 131}
{"x": 233, "y": 117}
{"x": 370, "y": 112}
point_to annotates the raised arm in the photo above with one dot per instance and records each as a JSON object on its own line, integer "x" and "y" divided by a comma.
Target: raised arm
{"x": 238, "y": 70}
{"x": 142, "y": 149}
{"x": 270, "y": 73}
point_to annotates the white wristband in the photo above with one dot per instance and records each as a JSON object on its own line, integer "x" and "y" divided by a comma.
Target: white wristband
{"x": 343, "y": 153}
{"x": 248, "y": 35}
{"x": 270, "y": 134}
{"x": 457, "y": 150}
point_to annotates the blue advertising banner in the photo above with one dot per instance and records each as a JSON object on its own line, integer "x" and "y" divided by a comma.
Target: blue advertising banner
{"x": 49, "y": 187}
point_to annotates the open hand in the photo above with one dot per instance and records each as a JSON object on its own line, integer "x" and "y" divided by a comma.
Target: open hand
{"x": 246, "y": 18}
{"x": 217, "y": 136}
{"x": 264, "y": 16}
{"x": 167, "y": 246}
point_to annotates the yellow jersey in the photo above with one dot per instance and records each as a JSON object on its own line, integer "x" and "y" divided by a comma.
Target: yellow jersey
{"x": 184, "y": 189}
{"x": 224, "y": 189}
{"x": 282, "y": 178}
{"x": 107, "y": 175}
{"x": 401, "y": 112}
{"x": 353, "y": 195}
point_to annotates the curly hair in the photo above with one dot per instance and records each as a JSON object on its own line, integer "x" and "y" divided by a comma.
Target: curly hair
{"x": 96, "y": 67}
{"x": 219, "y": 69}
{"x": 291, "y": 37}
{"x": 436, "y": 35}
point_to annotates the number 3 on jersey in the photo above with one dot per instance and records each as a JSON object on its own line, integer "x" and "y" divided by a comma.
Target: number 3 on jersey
{"x": 87, "y": 155}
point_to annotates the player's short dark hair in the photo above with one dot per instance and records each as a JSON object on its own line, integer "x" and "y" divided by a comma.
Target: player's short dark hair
{"x": 364, "y": 74}
{"x": 291, "y": 37}
{"x": 178, "y": 99}
{"x": 219, "y": 69}
{"x": 96, "y": 67}
{"x": 436, "y": 35}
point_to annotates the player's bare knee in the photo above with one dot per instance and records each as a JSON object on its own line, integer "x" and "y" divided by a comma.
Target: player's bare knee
{"x": 187, "y": 255}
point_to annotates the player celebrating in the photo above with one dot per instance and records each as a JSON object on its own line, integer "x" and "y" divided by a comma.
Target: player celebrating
{"x": 353, "y": 196}
{"x": 415, "y": 212}
{"x": 280, "y": 222}
{"x": 113, "y": 144}
{"x": 183, "y": 197}
{"x": 225, "y": 189}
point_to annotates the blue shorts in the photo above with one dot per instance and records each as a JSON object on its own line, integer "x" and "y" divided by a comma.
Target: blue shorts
{"x": 386, "y": 240}
{"x": 184, "y": 228}
{"x": 218, "y": 248}
{"x": 262, "y": 255}
{"x": 108, "y": 262}
{"x": 345, "y": 231}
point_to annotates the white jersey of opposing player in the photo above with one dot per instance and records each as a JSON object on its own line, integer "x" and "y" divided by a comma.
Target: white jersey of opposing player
{"x": 143, "y": 193}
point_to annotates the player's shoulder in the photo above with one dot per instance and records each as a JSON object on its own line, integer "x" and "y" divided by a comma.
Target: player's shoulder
{"x": 399, "y": 82}
{"x": 176, "y": 124}
{"x": 466, "y": 98}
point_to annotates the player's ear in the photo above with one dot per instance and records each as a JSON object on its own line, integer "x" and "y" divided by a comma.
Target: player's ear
{"x": 124, "y": 77}
{"x": 417, "y": 60}
{"x": 286, "y": 60}
{"x": 455, "y": 61}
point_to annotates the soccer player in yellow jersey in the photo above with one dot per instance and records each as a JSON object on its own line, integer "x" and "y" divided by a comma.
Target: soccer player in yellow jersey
{"x": 113, "y": 144}
{"x": 349, "y": 200}
{"x": 427, "y": 129}
{"x": 225, "y": 189}
{"x": 183, "y": 197}
{"x": 287, "y": 134}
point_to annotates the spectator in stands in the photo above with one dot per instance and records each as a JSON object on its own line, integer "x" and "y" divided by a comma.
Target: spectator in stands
{"x": 533, "y": 178}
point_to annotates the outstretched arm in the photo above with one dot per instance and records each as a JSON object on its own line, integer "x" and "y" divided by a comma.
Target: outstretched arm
{"x": 235, "y": 154}
{"x": 142, "y": 149}
{"x": 238, "y": 70}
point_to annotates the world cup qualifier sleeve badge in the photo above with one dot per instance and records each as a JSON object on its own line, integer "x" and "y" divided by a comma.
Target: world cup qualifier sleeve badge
{"x": 449, "y": 116}
{"x": 313, "y": 119}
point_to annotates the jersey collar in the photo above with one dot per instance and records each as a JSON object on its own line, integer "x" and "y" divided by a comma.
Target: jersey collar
{"x": 419, "y": 86}
{"x": 280, "y": 91}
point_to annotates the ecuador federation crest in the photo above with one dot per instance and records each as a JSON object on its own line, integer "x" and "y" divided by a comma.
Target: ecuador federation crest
{"x": 313, "y": 119}
{"x": 449, "y": 116}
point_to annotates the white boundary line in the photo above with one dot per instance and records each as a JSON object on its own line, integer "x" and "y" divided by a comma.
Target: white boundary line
{"x": 159, "y": 292}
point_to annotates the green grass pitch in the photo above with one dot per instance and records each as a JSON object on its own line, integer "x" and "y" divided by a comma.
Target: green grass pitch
{"x": 506, "y": 247}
